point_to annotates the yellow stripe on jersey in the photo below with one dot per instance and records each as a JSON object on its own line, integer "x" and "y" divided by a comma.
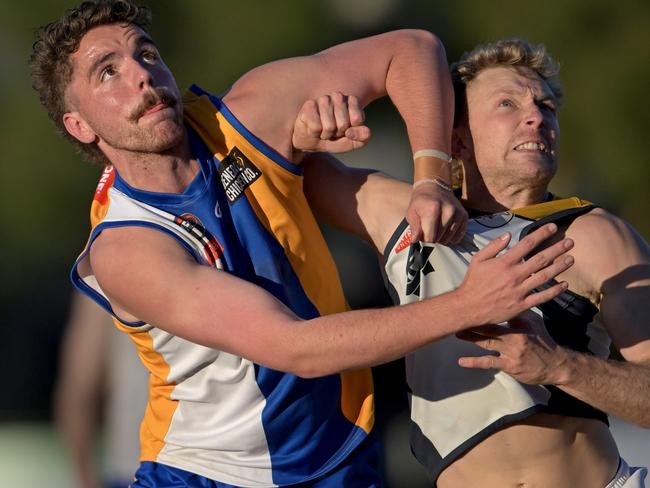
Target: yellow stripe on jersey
{"x": 160, "y": 407}
{"x": 279, "y": 203}
{"x": 541, "y": 210}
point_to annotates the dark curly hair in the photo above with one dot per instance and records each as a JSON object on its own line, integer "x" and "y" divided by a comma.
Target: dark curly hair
{"x": 50, "y": 65}
{"x": 515, "y": 52}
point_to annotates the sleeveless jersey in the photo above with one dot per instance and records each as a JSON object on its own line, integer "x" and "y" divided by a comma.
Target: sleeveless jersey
{"x": 455, "y": 408}
{"x": 210, "y": 412}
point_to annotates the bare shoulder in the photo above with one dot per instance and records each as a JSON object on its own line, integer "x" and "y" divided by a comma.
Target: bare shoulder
{"x": 605, "y": 246}
{"x": 131, "y": 262}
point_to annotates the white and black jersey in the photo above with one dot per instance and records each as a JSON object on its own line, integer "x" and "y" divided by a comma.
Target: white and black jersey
{"x": 454, "y": 408}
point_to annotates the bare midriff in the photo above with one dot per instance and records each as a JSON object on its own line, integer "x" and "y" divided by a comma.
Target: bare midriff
{"x": 543, "y": 451}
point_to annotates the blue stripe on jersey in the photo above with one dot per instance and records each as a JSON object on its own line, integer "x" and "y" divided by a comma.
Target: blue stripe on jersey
{"x": 260, "y": 145}
{"x": 81, "y": 285}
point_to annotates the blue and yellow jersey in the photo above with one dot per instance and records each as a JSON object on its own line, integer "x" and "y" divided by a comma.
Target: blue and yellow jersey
{"x": 210, "y": 412}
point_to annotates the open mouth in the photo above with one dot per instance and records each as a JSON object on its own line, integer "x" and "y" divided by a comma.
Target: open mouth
{"x": 534, "y": 146}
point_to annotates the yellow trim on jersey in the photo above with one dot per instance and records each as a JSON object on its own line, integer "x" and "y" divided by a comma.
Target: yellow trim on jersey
{"x": 160, "y": 407}
{"x": 541, "y": 210}
{"x": 279, "y": 203}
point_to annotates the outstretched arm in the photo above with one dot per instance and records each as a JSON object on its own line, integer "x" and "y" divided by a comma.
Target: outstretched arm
{"x": 614, "y": 263}
{"x": 409, "y": 66}
{"x": 224, "y": 312}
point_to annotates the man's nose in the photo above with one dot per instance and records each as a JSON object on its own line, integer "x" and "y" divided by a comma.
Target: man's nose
{"x": 534, "y": 116}
{"x": 141, "y": 74}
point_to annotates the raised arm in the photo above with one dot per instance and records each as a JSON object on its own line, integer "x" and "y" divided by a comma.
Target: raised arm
{"x": 224, "y": 312}
{"x": 409, "y": 66}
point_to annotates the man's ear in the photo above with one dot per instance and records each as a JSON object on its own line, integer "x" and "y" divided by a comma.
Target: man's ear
{"x": 462, "y": 146}
{"x": 78, "y": 128}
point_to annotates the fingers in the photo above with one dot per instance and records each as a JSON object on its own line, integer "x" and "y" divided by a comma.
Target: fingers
{"x": 309, "y": 119}
{"x": 528, "y": 244}
{"x": 440, "y": 216}
{"x": 493, "y": 248}
{"x": 355, "y": 111}
{"x": 544, "y": 296}
{"x": 550, "y": 260}
{"x": 482, "y": 362}
{"x": 414, "y": 223}
{"x": 454, "y": 224}
{"x": 359, "y": 135}
{"x": 327, "y": 117}
{"x": 547, "y": 274}
{"x": 430, "y": 222}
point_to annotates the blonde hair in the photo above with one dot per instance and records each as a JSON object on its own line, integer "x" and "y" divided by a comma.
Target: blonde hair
{"x": 513, "y": 53}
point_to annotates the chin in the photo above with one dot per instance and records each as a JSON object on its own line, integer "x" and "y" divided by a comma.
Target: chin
{"x": 165, "y": 138}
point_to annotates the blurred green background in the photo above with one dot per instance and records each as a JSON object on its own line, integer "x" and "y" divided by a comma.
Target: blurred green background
{"x": 602, "y": 45}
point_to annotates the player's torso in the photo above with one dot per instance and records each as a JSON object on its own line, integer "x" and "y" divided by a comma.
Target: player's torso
{"x": 542, "y": 451}
{"x": 211, "y": 412}
{"x": 465, "y": 418}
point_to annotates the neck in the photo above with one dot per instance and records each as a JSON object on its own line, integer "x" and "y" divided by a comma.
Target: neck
{"x": 170, "y": 171}
{"x": 481, "y": 196}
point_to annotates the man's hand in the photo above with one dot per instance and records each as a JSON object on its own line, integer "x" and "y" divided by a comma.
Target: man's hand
{"x": 496, "y": 287}
{"x": 525, "y": 350}
{"x": 436, "y": 215}
{"x": 333, "y": 123}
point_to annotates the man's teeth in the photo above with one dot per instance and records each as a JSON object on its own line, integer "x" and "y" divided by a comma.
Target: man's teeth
{"x": 533, "y": 146}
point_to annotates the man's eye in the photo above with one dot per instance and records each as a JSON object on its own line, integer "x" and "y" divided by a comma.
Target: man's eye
{"x": 149, "y": 56}
{"x": 107, "y": 73}
{"x": 550, "y": 107}
{"x": 505, "y": 103}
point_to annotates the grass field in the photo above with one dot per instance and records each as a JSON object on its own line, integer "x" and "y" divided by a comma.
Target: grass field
{"x": 31, "y": 455}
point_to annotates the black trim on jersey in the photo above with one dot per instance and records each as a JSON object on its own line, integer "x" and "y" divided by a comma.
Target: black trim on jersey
{"x": 431, "y": 459}
{"x": 566, "y": 317}
{"x": 558, "y": 218}
{"x": 394, "y": 238}
{"x": 392, "y": 242}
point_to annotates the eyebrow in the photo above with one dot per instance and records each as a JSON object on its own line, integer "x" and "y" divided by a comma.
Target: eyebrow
{"x": 142, "y": 39}
{"x": 542, "y": 97}
{"x": 99, "y": 61}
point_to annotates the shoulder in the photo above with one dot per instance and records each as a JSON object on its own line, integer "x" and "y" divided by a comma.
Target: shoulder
{"x": 605, "y": 245}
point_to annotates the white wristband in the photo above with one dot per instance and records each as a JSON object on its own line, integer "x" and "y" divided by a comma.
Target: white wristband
{"x": 435, "y": 181}
{"x": 433, "y": 153}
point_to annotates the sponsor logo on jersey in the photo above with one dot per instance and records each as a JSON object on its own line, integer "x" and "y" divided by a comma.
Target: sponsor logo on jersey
{"x": 418, "y": 264}
{"x": 212, "y": 250}
{"x": 404, "y": 242}
{"x": 237, "y": 173}
{"x": 105, "y": 182}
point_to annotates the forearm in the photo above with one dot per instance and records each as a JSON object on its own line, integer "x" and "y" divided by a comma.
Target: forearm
{"x": 618, "y": 388}
{"x": 419, "y": 84}
{"x": 364, "y": 338}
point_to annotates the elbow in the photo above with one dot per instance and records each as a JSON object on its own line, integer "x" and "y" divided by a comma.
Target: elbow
{"x": 420, "y": 39}
{"x": 304, "y": 363}
{"x": 307, "y": 367}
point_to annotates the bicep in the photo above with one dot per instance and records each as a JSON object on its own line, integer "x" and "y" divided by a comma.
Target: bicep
{"x": 268, "y": 98}
{"x": 151, "y": 277}
{"x": 616, "y": 260}
{"x": 624, "y": 307}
